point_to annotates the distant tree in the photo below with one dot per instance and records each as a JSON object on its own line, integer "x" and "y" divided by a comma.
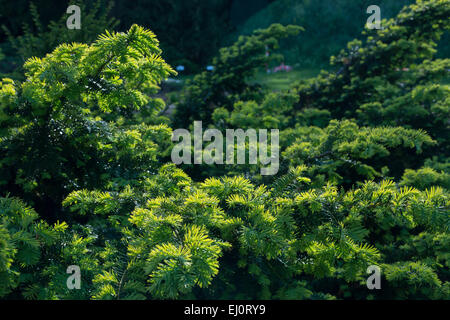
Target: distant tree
{"x": 229, "y": 81}
{"x": 190, "y": 31}
{"x": 38, "y": 39}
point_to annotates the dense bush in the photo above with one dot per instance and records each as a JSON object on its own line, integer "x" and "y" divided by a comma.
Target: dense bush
{"x": 86, "y": 180}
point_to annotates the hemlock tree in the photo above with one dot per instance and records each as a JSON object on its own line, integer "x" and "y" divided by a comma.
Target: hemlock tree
{"x": 53, "y": 138}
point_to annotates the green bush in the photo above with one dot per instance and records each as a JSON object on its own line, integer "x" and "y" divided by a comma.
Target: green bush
{"x": 86, "y": 180}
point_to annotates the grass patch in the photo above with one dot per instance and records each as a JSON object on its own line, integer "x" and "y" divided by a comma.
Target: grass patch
{"x": 274, "y": 81}
{"x": 283, "y": 80}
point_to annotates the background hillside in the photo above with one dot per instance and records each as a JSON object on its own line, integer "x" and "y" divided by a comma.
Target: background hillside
{"x": 191, "y": 32}
{"x": 329, "y": 25}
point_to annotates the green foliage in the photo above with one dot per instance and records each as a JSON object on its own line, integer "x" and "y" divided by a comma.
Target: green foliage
{"x": 329, "y": 25}
{"x": 57, "y": 113}
{"x": 22, "y": 241}
{"x": 418, "y": 279}
{"x": 390, "y": 78}
{"x": 343, "y": 150}
{"x": 83, "y": 146}
{"x": 229, "y": 80}
{"x": 425, "y": 178}
{"x": 388, "y": 85}
{"x": 38, "y": 40}
{"x": 174, "y": 242}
